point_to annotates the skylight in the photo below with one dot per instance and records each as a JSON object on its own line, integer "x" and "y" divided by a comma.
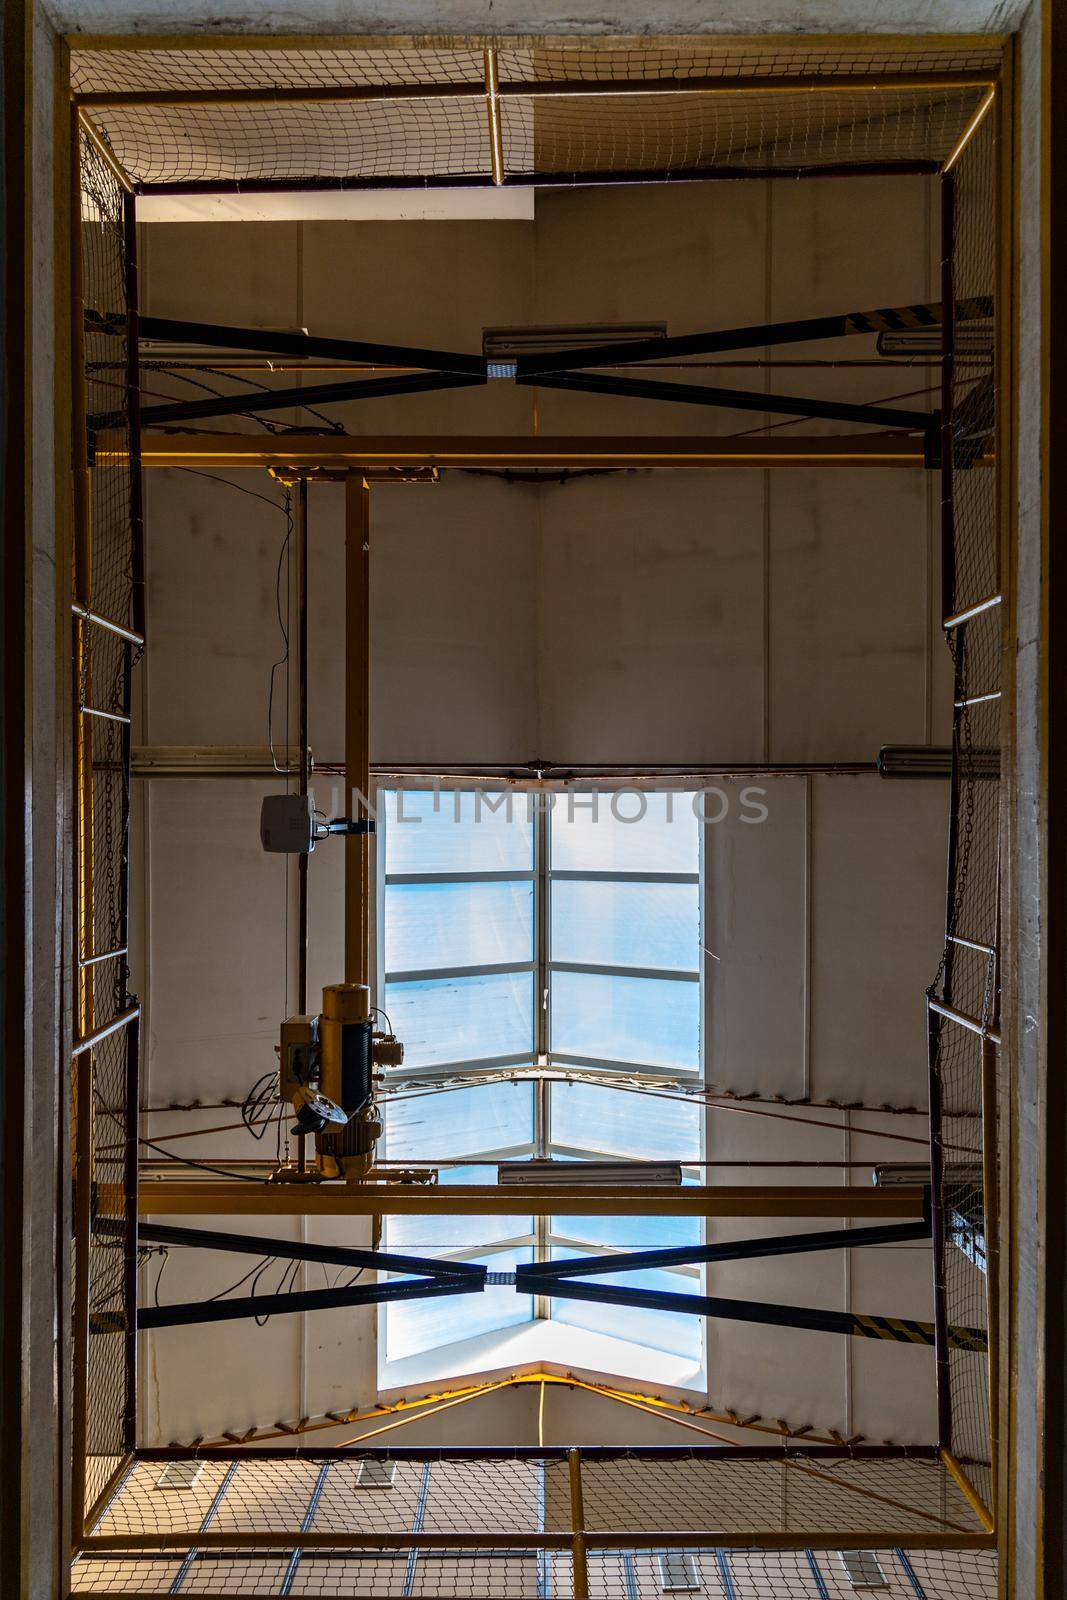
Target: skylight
{"x": 540, "y": 934}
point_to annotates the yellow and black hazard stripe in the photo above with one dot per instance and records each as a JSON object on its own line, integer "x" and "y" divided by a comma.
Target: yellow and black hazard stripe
{"x": 905, "y": 1331}
{"x": 891, "y": 319}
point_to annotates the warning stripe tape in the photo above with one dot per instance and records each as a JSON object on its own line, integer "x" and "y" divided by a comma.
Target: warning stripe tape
{"x": 889, "y": 319}
{"x": 904, "y": 1331}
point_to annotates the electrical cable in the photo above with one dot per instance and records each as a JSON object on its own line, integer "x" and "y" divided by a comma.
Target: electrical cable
{"x": 283, "y": 659}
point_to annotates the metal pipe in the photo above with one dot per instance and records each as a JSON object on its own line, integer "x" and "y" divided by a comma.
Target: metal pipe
{"x": 506, "y": 1539}
{"x": 967, "y": 1489}
{"x": 108, "y": 955}
{"x": 106, "y": 716}
{"x": 357, "y": 725}
{"x": 129, "y": 1241}
{"x": 940, "y": 1239}
{"x": 98, "y": 1035}
{"x": 99, "y": 621}
{"x": 583, "y": 88}
{"x": 973, "y": 1024}
{"x": 948, "y": 342}
{"x": 656, "y": 1453}
{"x": 991, "y": 1229}
{"x": 300, "y": 530}
{"x": 492, "y": 104}
{"x": 579, "y": 1563}
{"x": 133, "y": 414}
{"x": 960, "y": 617}
{"x": 545, "y": 180}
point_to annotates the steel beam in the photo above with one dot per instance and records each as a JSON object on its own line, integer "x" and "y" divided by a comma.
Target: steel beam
{"x": 699, "y": 394}
{"x": 191, "y": 1313}
{"x": 347, "y": 453}
{"x": 289, "y": 1250}
{"x": 738, "y": 1250}
{"x": 896, "y": 1329}
{"x": 170, "y": 330}
{"x": 801, "y": 330}
{"x": 256, "y": 400}
{"x": 219, "y": 1197}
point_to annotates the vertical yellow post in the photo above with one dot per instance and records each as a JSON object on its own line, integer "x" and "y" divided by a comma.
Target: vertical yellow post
{"x": 357, "y": 725}
{"x": 990, "y": 1223}
{"x": 579, "y": 1557}
{"x": 82, "y": 1112}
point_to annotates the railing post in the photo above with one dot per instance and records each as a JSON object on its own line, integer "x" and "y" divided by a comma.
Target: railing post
{"x": 579, "y": 1558}
{"x": 934, "y": 1025}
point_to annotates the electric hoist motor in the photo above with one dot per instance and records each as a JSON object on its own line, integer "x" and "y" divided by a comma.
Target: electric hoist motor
{"x": 328, "y": 1067}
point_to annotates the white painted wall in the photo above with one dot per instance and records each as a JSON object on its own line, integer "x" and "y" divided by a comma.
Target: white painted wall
{"x": 727, "y": 616}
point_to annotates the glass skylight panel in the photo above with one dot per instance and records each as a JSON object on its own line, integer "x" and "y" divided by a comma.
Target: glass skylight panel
{"x": 616, "y": 924}
{"x": 626, "y": 1233}
{"x": 423, "y": 1235}
{"x": 458, "y": 831}
{"x": 669, "y": 1331}
{"x": 416, "y": 1326}
{"x": 625, "y": 832}
{"x": 460, "y": 1122}
{"x": 653, "y": 1022}
{"x": 615, "y": 886}
{"x": 433, "y": 925}
{"x": 462, "y": 1020}
{"x": 623, "y": 1123}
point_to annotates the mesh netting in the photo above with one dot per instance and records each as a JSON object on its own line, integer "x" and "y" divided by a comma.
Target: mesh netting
{"x": 762, "y": 131}
{"x": 425, "y": 114}
{"x": 156, "y": 70}
{"x": 530, "y": 1574}
{"x": 969, "y": 978}
{"x": 104, "y": 584}
{"x": 522, "y": 1508}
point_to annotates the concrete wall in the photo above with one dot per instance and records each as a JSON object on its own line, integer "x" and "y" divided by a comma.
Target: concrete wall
{"x": 587, "y": 17}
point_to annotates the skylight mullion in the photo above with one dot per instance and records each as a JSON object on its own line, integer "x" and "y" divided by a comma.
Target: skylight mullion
{"x": 575, "y": 875}
{"x": 562, "y": 1059}
{"x": 449, "y": 1069}
{"x": 509, "y": 876}
{"x": 604, "y": 970}
{"x": 433, "y": 974}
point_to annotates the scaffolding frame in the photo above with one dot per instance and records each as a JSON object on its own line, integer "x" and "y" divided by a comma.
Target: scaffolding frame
{"x": 91, "y": 1031}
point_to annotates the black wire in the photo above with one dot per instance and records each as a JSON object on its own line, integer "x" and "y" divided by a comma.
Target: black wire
{"x": 203, "y": 1166}
{"x": 257, "y": 1103}
{"x": 197, "y": 472}
{"x": 155, "y": 1292}
{"x": 283, "y": 659}
{"x": 332, "y": 425}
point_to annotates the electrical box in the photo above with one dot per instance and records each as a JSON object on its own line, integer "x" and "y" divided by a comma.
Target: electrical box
{"x": 287, "y": 824}
{"x": 299, "y": 1054}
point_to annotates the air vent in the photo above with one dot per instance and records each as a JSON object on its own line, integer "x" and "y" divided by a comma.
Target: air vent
{"x": 678, "y": 1573}
{"x": 375, "y": 1474}
{"x": 179, "y": 1474}
{"x": 863, "y": 1569}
